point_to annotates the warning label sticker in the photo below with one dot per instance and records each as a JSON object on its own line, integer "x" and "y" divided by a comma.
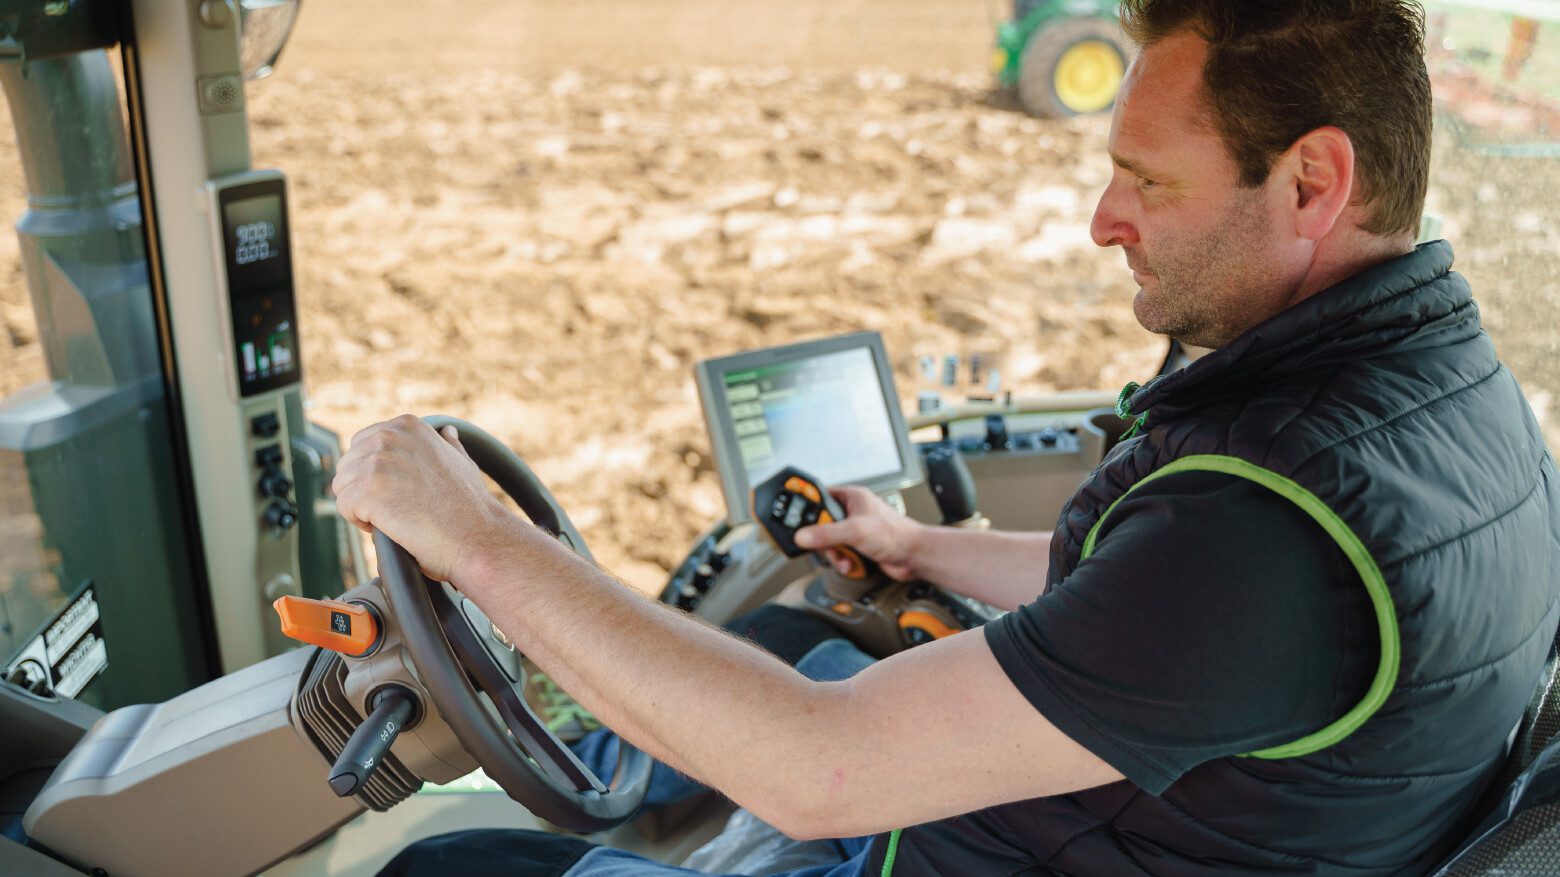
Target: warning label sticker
{"x": 76, "y": 620}
{"x": 68, "y": 654}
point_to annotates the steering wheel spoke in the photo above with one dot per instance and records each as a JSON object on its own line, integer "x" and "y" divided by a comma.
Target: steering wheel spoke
{"x": 530, "y": 733}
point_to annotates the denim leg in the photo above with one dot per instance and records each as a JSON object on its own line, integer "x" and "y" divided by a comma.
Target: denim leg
{"x": 833, "y": 660}
{"x": 599, "y": 751}
{"x": 608, "y": 862}
{"x": 829, "y": 661}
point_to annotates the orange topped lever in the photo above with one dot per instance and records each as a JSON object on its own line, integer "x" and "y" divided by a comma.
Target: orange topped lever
{"x": 341, "y": 627}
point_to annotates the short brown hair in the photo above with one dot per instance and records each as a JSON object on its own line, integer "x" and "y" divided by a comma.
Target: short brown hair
{"x": 1277, "y": 70}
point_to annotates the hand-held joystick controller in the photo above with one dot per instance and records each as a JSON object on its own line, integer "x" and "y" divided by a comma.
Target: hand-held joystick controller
{"x": 790, "y": 500}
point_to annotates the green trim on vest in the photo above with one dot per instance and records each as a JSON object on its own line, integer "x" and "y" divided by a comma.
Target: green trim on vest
{"x": 892, "y": 852}
{"x": 1353, "y": 548}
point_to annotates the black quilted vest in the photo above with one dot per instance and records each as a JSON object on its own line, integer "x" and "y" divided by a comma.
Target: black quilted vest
{"x": 1381, "y": 397}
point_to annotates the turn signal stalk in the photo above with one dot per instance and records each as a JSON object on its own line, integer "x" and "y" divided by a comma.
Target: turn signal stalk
{"x": 366, "y": 749}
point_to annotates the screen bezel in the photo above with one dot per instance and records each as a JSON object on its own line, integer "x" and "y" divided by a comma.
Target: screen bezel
{"x": 711, "y": 378}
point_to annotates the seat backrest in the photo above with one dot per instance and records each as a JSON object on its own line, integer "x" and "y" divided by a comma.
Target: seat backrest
{"x": 1520, "y": 832}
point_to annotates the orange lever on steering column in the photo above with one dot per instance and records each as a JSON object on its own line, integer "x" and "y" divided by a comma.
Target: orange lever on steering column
{"x": 340, "y": 627}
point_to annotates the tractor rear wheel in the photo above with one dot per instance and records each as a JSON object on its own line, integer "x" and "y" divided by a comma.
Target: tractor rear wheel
{"x": 1071, "y": 68}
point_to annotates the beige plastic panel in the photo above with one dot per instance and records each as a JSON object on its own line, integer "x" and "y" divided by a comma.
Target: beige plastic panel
{"x": 213, "y": 782}
{"x": 17, "y": 859}
{"x": 1025, "y": 491}
{"x": 175, "y": 53}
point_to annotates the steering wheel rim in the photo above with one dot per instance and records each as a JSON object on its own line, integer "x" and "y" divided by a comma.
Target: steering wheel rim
{"x": 521, "y": 754}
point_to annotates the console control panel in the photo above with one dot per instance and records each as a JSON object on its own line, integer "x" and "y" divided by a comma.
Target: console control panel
{"x": 273, "y": 487}
{"x": 699, "y": 571}
{"x": 997, "y": 437}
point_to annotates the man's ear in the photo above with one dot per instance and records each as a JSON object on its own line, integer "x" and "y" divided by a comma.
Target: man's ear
{"x": 1320, "y": 168}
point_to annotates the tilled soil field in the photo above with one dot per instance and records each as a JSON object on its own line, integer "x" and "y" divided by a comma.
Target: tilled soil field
{"x": 552, "y": 262}
{"x": 546, "y": 248}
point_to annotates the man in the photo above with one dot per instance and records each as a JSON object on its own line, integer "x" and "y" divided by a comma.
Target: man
{"x": 1286, "y": 628}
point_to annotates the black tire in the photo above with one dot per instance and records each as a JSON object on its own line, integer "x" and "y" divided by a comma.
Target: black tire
{"x": 1037, "y": 67}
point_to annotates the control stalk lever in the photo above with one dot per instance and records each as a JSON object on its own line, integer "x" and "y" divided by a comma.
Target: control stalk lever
{"x": 953, "y": 487}
{"x": 366, "y": 748}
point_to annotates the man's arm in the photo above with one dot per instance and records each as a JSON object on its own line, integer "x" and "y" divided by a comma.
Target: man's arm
{"x": 996, "y": 567}
{"x": 815, "y": 759}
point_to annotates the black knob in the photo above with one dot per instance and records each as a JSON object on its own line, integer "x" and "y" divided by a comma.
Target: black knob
{"x": 952, "y": 484}
{"x": 281, "y": 515}
{"x": 996, "y": 432}
{"x": 275, "y": 483}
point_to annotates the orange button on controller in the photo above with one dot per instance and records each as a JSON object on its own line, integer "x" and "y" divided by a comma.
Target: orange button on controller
{"x": 804, "y": 487}
{"x": 340, "y": 627}
{"x": 926, "y": 621}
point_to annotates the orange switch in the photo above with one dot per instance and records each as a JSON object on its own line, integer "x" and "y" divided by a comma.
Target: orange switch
{"x": 340, "y": 627}
{"x": 919, "y": 618}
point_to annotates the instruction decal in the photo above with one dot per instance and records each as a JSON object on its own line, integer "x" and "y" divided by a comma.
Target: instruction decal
{"x": 69, "y": 653}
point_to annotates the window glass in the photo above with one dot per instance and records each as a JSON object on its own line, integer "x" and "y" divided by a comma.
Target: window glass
{"x": 540, "y": 215}
{"x": 98, "y": 595}
{"x": 556, "y": 206}
{"x": 21, "y": 356}
{"x": 1495, "y": 70}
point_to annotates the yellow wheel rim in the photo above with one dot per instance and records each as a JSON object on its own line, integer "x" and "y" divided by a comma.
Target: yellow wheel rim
{"x": 1088, "y": 75}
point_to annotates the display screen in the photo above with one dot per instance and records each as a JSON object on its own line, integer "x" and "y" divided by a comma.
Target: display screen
{"x": 255, "y": 242}
{"x": 260, "y": 293}
{"x": 826, "y": 415}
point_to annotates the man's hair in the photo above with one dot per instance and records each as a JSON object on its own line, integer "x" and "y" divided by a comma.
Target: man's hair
{"x": 1277, "y": 70}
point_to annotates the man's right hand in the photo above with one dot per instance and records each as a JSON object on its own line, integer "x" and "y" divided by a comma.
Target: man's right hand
{"x": 871, "y": 527}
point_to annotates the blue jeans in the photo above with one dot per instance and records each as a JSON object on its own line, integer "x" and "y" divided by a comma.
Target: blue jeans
{"x": 517, "y": 853}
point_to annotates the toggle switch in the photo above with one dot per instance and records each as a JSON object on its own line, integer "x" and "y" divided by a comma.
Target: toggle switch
{"x": 348, "y": 628}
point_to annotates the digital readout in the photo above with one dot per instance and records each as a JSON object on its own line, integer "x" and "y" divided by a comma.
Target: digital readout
{"x": 255, "y": 242}
{"x": 255, "y": 233}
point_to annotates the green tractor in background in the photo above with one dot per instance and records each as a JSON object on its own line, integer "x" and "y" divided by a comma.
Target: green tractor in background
{"x": 1062, "y": 57}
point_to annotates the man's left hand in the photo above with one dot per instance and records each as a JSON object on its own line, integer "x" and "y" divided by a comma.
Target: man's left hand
{"x": 419, "y": 488}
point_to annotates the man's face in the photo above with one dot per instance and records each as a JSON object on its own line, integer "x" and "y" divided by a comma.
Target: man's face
{"x": 1210, "y": 256}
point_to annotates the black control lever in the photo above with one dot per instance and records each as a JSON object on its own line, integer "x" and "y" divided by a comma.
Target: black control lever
{"x": 365, "y": 750}
{"x": 952, "y": 484}
{"x": 997, "y": 432}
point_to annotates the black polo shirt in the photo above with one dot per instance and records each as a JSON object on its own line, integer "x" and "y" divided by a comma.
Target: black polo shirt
{"x": 1214, "y": 618}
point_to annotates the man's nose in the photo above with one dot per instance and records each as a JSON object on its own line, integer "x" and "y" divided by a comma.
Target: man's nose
{"x": 1110, "y": 226}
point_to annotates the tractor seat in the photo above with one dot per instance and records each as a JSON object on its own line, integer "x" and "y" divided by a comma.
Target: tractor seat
{"x": 1519, "y": 835}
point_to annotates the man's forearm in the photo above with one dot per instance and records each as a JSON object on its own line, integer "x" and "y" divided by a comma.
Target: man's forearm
{"x": 1001, "y": 568}
{"x": 688, "y": 693}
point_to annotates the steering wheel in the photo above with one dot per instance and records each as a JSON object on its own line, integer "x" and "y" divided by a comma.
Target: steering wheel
{"x": 452, "y": 644}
